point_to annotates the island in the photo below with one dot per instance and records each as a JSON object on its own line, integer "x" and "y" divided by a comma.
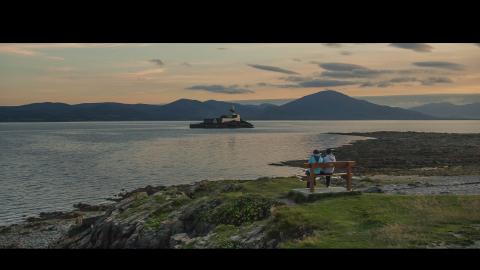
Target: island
{"x": 225, "y": 121}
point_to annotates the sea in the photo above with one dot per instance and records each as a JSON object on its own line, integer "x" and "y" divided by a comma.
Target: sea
{"x": 48, "y": 167}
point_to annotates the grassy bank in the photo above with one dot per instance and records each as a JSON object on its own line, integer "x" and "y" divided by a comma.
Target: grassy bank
{"x": 370, "y": 220}
{"x": 381, "y": 221}
{"x": 258, "y": 214}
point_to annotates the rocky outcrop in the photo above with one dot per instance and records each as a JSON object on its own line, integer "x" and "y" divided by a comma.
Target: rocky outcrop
{"x": 202, "y": 215}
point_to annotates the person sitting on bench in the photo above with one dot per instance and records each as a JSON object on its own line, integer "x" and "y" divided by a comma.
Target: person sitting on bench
{"x": 329, "y": 157}
{"x": 315, "y": 158}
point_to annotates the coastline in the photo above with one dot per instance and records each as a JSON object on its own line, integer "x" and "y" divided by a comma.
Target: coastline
{"x": 401, "y": 163}
{"x": 410, "y": 153}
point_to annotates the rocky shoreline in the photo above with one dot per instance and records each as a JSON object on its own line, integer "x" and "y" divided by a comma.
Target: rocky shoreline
{"x": 242, "y": 213}
{"x": 410, "y": 153}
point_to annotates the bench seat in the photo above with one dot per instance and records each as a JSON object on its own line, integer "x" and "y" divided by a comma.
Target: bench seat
{"x": 347, "y": 165}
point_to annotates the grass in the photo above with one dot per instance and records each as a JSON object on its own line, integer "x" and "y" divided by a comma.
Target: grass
{"x": 362, "y": 221}
{"x": 379, "y": 221}
{"x": 221, "y": 236}
{"x": 272, "y": 187}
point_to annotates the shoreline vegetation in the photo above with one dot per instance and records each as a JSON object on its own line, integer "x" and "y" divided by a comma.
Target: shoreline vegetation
{"x": 416, "y": 190}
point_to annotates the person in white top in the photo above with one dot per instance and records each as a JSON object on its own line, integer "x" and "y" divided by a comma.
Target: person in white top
{"x": 329, "y": 157}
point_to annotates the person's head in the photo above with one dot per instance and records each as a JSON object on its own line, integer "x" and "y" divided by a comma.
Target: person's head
{"x": 316, "y": 152}
{"x": 329, "y": 151}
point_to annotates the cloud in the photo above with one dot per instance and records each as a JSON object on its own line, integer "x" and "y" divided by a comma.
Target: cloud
{"x": 325, "y": 83}
{"x": 333, "y": 45}
{"x": 146, "y": 74}
{"x": 37, "y": 49}
{"x": 317, "y": 83}
{"x": 384, "y": 84}
{"x": 403, "y": 79}
{"x": 391, "y": 82}
{"x": 157, "y": 62}
{"x": 271, "y": 68}
{"x": 344, "y": 70}
{"x": 436, "y": 80}
{"x": 341, "y": 66}
{"x": 381, "y": 84}
{"x": 417, "y": 47}
{"x": 60, "y": 69}
{"x": 359, "y": 73}
{"x": 233, "y": 89}
{"x": 296, "y": 78}
{"x": 368, "y": 84}
{"x": 439, "y": 64}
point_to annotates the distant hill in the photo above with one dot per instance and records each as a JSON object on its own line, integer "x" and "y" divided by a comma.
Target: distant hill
{"x": 324, "y": 105}
{"x": 332, "y": 105}
{"x": 449, "y": 110}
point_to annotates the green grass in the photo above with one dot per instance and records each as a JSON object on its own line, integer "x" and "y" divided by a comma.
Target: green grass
{"x": 221, "y": 236}
{"x": 362, "y": 221}
{"x": 272, "y": 187}
{"x": 378, "y": 221}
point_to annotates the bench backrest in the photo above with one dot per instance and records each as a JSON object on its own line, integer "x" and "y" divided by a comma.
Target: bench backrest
{"x": 337, "y": 165}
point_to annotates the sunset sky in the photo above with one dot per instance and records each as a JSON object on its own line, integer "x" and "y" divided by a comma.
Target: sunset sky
{"x": 161, "y": 73}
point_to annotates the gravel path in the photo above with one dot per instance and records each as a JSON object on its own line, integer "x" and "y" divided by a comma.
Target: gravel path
{"x": 436, "y": 185}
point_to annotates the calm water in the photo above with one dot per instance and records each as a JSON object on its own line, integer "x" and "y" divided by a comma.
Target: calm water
{"x": 50, "y": 166}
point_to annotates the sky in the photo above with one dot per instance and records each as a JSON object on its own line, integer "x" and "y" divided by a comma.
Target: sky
{"x": 162, "y": 73}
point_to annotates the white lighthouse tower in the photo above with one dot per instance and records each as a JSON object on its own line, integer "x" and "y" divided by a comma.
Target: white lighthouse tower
{"x": 233, "y": 117}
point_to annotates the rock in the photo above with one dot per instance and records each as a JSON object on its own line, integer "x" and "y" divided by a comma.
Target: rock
{"x": 231, "y": 188}
{"x": 179, "y": 240}
{"x": 192, "y": 217}
{"x": 235, "y": 238}
{"x": 53, "y": 215}
{"x": 93, "y": 208}
{"x": 149, "y": 190}
{"x": 139, "y": 195}
{"x": 255, "y": 238}
{"x": 373, "y": 190}
{"x": 272, "y": 243}
{"x": 123, "y": 204}
{"x": 86, "y": 224}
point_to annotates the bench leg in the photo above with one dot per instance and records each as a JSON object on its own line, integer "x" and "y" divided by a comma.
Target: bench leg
{"x": 349, "y": 178}
{"x": 311, "y": 179}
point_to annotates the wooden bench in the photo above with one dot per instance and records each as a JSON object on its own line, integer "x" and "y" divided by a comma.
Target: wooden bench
{"x": 347, "y": 175}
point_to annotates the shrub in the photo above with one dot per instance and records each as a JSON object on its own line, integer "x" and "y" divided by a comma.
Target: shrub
{"x": 240, "y": 210}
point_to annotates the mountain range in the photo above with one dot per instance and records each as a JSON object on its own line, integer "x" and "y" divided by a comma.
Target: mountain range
{"x": 323, "y": 105}
{"x": 449, "y": 110}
